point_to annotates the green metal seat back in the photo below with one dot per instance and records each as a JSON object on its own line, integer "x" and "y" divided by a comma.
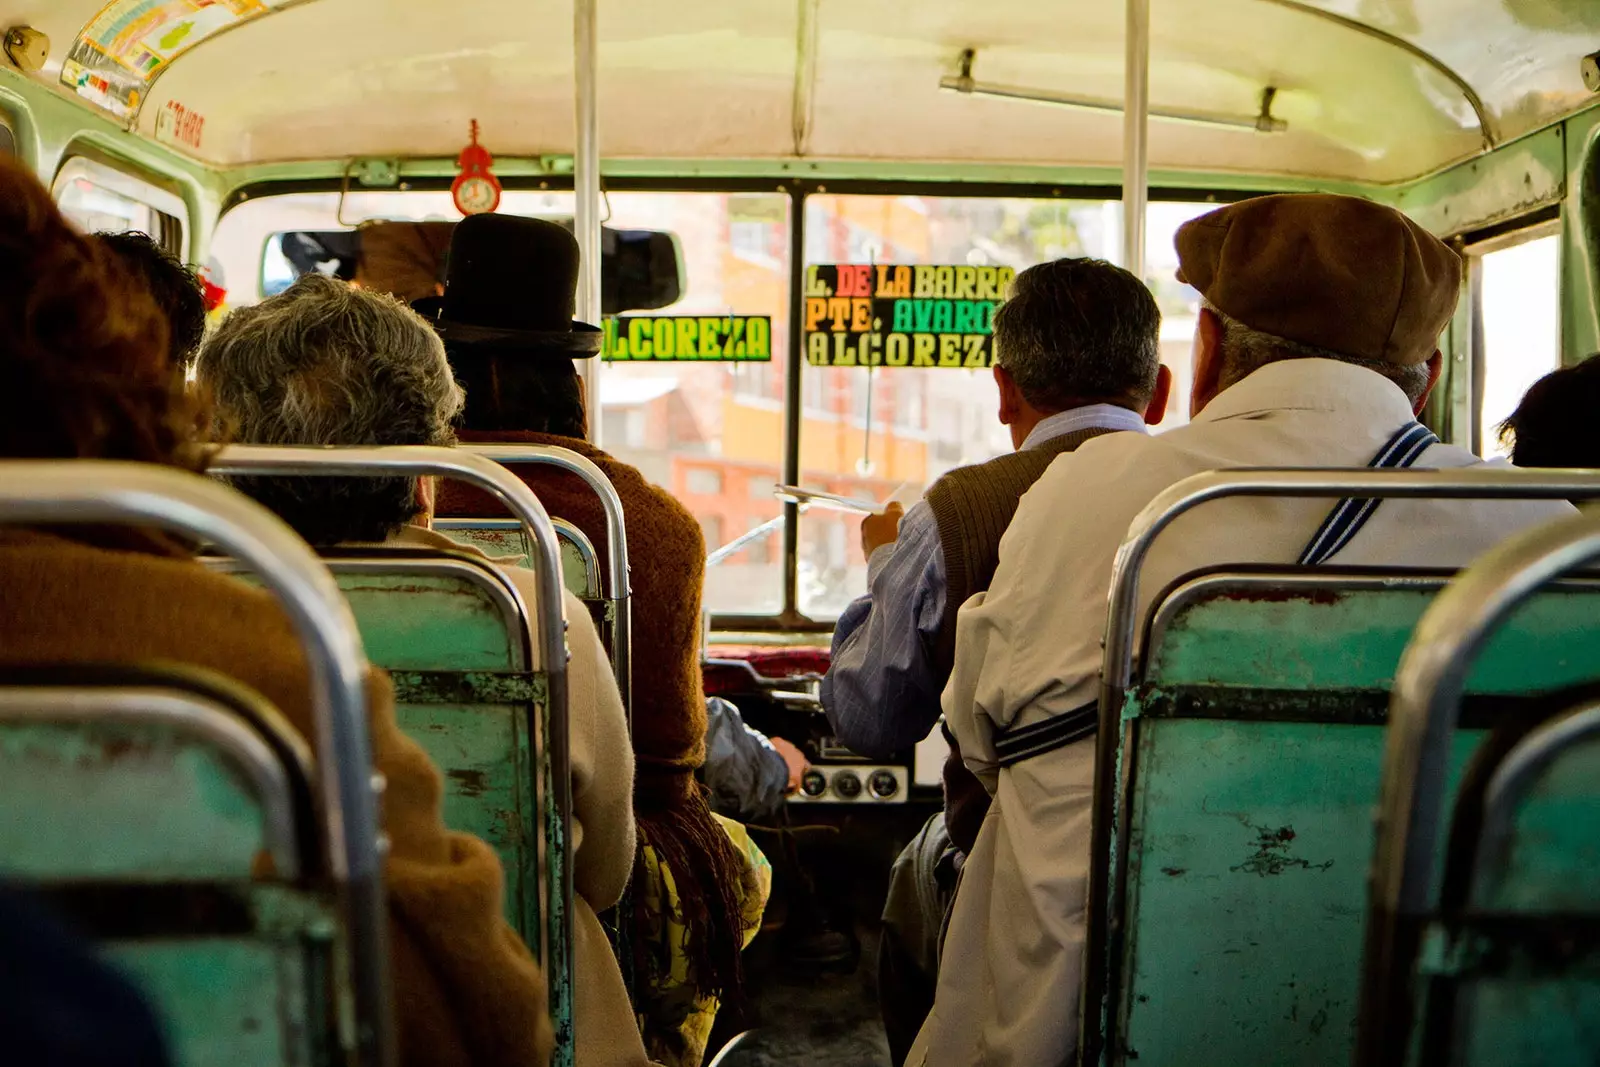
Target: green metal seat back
{"x": 1257, "y": 732}
{"x": 167, "y": 813}
{"x": 507, "y": 541}
{"x": 453, "y": 634}
{"x": 1511, "y": 964}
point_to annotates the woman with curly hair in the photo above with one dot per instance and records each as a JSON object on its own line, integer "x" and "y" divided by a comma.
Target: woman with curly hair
{"x": 86, "y": 372}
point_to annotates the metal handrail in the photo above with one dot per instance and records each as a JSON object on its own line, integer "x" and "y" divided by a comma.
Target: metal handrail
{"x": 1423, "y": 714}
{"x": 565, "y": 532}
{"x": 82, "y": 491}
{"x": 549, "y": 612}
{"x": 1475, "y": 483}
{"x": 618, "y": 586}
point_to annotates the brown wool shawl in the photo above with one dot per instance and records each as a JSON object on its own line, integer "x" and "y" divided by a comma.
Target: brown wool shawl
{"x": 667, "y": 562}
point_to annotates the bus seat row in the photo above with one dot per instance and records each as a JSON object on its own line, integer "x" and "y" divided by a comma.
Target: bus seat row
{"x": 173, "y": 816}
{"x": 1246, "y": 756}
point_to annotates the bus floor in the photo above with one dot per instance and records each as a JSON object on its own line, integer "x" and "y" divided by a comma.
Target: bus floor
{"x": 811, "y": 975}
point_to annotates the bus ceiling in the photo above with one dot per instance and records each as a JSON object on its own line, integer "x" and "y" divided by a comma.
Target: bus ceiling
{"x": 1360, "y": 91}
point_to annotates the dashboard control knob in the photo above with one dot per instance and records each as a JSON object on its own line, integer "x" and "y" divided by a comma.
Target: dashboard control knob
{"x": 883, "y": 784}
{"x": 847, "y": 784}
{"x": 814, "y": 784}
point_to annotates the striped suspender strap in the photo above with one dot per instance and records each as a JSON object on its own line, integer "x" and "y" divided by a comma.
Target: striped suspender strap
{"x": 1014, "y": 745}
{"x": 1351, "y": 514}
{"x": 1024, "y": 742}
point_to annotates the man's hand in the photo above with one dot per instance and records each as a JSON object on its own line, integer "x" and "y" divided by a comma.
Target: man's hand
{"x": 794, "y": 759}
{"x": 880, "y": 530}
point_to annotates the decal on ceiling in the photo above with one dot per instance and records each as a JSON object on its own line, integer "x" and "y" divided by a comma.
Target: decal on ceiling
{"x": 126, "y": 47}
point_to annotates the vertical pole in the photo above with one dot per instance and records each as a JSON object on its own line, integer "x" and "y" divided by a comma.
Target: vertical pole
{"x": 586, "y": 193}
{"x": 1136, "y": 136}
{"x": 793, "y": 398}
{"x": 1096, "y": 1015}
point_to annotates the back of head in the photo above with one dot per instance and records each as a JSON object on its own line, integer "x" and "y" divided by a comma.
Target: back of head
{"x": 84, "y": 363}
{"x": 1322, "y": 276}
{"x": 1554, "y": 425}
{"x": 173, "y": 286}
{"x": 324, "y": 363}
{"x": 1077, "y": 331}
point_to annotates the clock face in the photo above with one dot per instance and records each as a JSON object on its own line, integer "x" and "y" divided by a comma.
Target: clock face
{"x": 476, "y": 195}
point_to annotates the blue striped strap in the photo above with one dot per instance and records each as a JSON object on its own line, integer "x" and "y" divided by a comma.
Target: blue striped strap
{"x": 1024, "y": 742}
{"x": 1351, "y": 514}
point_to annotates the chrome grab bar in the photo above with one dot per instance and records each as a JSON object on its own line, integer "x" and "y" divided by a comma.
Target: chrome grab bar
{"x": 81, "y": 491}
{"x": 485, "y": 474}
{"x": 1424, "y": 710}
{"x": 1473, "y": 483}
{"x": 618, "y": 587}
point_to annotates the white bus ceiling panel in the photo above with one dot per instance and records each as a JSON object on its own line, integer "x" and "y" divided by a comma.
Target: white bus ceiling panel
{"x": 1356, "y": 106}
{"x": 707, "y": 79}
{"x": 1520, "y": 55}
{"x": 338, "y": 78}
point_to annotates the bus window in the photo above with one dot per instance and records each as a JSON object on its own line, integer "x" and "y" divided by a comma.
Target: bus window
{"x": 101, "y": 199}
{"x": 873, "y": 432}
{"x": 707, "y": 430}
{"x": 1520, "y": 314}
{"x": 248, "y": 243}
{"x": 711, "y": 432}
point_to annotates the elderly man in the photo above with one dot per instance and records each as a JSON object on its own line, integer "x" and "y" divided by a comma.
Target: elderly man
{"x": 327, "y": 364}
{"x": 1316, "y": 346}
{"x": 1077, "y": 357}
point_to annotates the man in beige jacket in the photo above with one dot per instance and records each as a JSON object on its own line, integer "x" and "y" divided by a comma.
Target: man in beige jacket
{"x": 1316, "y": 347}
{"x": 323, "y": 363}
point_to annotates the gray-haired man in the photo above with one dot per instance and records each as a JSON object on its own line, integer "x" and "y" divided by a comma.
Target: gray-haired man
{"x": 1077, "y": 356}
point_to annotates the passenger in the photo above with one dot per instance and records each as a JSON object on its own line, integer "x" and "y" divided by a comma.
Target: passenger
{"x": 747, "y": 774}
{"x": 1554, "y": 424}
{"x": 324, "y": 363}
{"x": 1316, "y": 346}
{"x": 85, "y": 371}
{"x": 1076, "y": 357}
{"x": 175, "y": 288}
{"x": 506, "y": 318}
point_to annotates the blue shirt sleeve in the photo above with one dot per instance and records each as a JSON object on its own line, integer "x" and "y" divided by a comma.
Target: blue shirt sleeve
{"x": 881, "y": 693}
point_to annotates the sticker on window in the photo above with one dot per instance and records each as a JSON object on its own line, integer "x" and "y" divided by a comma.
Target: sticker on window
{"x": 688, "y": 339}
{"x": 125, "y": 47}
{"x": 891, "y": 315}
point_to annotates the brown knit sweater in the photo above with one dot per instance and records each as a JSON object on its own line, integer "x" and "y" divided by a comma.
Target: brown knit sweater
{"x": 667, "y": 570}
{"x": 972, "y": 507}
{"x": 467, "y": 992}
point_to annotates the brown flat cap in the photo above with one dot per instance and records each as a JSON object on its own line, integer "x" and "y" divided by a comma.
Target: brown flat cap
{"x": 1336, "y": 272}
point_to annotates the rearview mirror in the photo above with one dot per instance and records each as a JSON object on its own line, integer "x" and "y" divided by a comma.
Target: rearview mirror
{"x": 640, "y": 270}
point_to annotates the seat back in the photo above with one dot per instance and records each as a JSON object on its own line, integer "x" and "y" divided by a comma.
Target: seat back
{"x": 168, "y": 813}
{"x": 1255, "y": 737}
{"x": 452, "y": 632}
{"x": 1482, "y": 938}
{"x": 505, "y": 541}
{"x": 1518, "y": 977}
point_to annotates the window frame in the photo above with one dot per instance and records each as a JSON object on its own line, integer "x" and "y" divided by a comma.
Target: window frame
{"x": 790, "y": 620}
{"x": 125, "y": 180}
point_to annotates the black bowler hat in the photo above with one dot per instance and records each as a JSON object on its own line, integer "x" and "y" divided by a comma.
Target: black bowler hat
{"x": 511, "y": 282}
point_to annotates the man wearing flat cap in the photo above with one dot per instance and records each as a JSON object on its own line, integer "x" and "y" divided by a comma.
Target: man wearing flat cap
{"x": 1316, "y": 347}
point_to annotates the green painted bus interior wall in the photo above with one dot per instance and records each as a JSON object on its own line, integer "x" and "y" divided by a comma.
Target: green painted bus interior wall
{"x": 1258, "y": 733}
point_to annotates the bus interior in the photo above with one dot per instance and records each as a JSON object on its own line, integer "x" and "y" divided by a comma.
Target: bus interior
{"x": 726, "y": 166}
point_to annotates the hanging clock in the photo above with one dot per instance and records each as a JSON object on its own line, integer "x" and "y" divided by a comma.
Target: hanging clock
{"x": 476, "y": 190}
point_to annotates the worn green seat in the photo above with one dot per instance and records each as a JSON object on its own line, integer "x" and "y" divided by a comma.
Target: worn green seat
{"x": 1251, "y": 766}
{"x": 168, "y": 813}
{"x": 507, "y": 541}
